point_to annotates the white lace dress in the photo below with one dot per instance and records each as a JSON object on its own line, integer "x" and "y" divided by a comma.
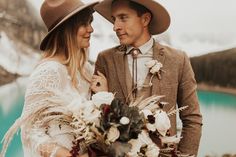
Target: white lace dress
{"x": 49, "y": 85}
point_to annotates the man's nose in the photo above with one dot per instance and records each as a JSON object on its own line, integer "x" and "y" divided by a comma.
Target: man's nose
{"x": 116, "y": 26}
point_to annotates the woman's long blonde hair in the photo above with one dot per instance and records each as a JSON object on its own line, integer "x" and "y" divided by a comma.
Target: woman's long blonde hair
{"x": 63, "y": 41}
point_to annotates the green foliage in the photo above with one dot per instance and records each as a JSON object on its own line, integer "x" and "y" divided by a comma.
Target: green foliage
{"x": 112, "y": 115}
{"x": 217, "y": 68}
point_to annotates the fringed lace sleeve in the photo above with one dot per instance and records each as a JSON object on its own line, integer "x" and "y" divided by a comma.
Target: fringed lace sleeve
{"x": 47, "y": 80}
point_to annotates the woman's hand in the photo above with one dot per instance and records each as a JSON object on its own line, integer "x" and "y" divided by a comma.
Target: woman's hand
{"x": 99, "y": 83}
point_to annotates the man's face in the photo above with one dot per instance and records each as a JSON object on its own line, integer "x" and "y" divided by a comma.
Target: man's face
{"x": 129, "y": 27}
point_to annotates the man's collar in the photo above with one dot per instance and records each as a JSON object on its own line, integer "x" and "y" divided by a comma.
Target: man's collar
{"x": 143, "y": 48}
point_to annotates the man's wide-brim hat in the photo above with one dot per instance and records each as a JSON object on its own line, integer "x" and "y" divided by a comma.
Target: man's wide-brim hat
{"x": 56, "y": 12}
{"x": 160, "y": 17}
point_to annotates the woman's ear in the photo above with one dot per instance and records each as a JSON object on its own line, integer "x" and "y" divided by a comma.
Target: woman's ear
{"x": 146, "y": 18}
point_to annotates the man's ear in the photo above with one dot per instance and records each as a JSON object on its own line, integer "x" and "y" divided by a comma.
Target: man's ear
{"x": 146, "y": 18}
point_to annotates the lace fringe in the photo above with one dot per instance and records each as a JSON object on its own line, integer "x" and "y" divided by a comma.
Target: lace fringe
{"x": 10, "y": 133}
{"x": 44, "y": 105}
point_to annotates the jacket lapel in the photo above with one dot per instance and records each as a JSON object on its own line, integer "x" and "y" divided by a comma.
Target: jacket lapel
{"x": 119, "y": 60}
{"x": 158, "y": 54}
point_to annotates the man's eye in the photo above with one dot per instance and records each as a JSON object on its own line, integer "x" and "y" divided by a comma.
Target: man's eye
{"x": 113, "y": 19}
{"x": 123, "y": 18}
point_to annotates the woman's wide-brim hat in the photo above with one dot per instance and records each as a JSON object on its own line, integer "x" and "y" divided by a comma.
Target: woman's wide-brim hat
{"x": 56, "y": 12}
{"x": 160, "y": 16}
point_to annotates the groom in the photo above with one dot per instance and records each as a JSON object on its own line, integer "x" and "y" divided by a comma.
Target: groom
{"x": 135, "y": 21}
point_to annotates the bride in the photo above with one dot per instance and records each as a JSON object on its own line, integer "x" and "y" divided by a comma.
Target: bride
{"x": 62, "y": 73}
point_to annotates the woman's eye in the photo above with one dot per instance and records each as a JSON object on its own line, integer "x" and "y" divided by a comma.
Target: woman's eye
{"x": 87, "y": 23}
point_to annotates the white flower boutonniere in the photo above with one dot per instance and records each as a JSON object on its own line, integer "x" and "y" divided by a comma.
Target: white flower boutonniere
{"x": 155, "y": 69}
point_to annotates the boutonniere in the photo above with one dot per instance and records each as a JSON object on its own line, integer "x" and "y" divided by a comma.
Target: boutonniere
{"x": 155, "y": 68}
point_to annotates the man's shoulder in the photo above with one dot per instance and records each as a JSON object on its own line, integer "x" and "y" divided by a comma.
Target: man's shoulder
{"x": 170, "y": 51}
{"x": 109, "y": 51}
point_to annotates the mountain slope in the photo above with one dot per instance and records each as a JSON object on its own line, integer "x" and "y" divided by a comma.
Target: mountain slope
{"x": 20, "y": 35}
{"x": 18, "y": 21}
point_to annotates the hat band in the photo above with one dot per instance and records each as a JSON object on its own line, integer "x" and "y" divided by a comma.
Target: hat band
{"x": 54, "y": 24}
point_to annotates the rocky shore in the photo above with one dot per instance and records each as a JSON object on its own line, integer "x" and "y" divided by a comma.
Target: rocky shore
{"x": 215, "y": 88}
{"x": 6, "y": 77}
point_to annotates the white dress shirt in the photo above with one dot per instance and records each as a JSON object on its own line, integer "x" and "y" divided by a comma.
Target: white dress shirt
{"x": 145, "y": 56}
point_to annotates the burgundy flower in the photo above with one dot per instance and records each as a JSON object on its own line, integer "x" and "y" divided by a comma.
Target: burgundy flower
{"x": 106, "y": 110}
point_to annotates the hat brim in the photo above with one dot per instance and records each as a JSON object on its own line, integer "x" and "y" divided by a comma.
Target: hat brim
{"x": 160, "y": 20}
{"x": 45, "y": 39}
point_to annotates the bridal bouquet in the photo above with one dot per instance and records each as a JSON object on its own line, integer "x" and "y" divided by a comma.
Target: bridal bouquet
{"x": 111, "y": 128}
{"x": 104, "y": 126}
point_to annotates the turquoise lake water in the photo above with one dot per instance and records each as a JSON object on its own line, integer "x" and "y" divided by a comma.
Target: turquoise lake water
{"x": 218, "y": 109}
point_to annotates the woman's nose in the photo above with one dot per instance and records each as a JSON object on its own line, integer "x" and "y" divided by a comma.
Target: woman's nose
{"x": 90, "y": 28}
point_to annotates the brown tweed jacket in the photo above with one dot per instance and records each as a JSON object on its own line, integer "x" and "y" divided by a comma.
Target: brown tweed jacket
{"x": 177, "y": 84}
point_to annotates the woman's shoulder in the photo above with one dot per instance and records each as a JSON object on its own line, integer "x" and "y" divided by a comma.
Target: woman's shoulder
{"x": 48, "y": 75}
{"x": 50, "y": 64}
{"x": 50, "y": 71}
{"x": 48, "y": 67}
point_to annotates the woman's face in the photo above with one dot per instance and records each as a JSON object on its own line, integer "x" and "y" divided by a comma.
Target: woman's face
{"x": 84, "y": 34}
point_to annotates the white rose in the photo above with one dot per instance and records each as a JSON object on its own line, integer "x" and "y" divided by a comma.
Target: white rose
{"x": 170, "y": 139}
{"x": 145, "y": 138}
{"x": 136, "y": 145}
{"x": 151, "y": 63}
{"x": 151, "y": 127}
{"x": 113, "y": 134}
{"x": 162, "y": 122}
{"x": 102, "y": 98}
{"x": 152, "y": 150}
{"x": 124, "y": 121}
{"x": 146, "y": 113}
{"x": 156, "y": 68}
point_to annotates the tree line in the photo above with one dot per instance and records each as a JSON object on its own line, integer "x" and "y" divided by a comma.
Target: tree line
{"x": 218, "y": 68}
